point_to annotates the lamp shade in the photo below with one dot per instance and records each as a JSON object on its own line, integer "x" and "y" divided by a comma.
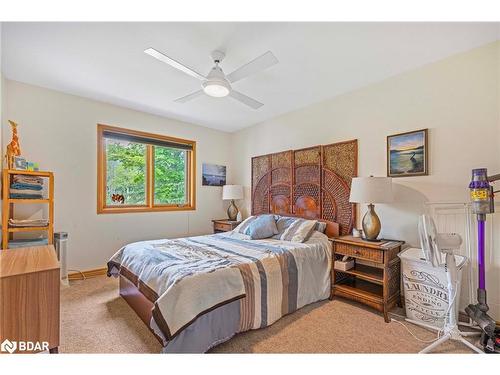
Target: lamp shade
{"x": 371, "y": 190}
{"x": 232, "y": 192}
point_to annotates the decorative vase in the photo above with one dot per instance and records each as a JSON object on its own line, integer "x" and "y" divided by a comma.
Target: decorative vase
{"x": 232, "y": 211}
{"x": 371, "y": 224}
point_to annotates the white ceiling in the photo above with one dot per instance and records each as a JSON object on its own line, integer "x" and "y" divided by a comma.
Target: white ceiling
{"x": 317, "y": 61}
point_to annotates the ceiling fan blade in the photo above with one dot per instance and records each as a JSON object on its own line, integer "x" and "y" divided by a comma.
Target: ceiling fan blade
{"x": 164, "y": 58}
{"x": 260, "y": 63}
{"x": 189, "y": 97}
{"x": 245, "y": 99}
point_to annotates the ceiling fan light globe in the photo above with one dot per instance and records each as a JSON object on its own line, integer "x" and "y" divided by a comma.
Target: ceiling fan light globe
{"x": 216, "y": 89}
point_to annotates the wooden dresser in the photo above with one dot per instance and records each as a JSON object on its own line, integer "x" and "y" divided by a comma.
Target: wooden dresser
{"x": 29, "y": 298}
{"x": 224, "y": 225}
{"x": 375, "y": 278}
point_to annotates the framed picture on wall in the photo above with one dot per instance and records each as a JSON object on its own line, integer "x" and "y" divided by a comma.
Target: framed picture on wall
{"x": 213, "y": 175}
{"x": 407, "y": 154}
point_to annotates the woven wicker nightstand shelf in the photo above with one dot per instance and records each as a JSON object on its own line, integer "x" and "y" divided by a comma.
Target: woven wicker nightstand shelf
{"x": 375, "y": 278}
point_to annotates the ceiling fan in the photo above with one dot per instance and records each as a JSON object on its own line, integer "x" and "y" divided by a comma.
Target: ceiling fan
{"x": 216, "y": 83}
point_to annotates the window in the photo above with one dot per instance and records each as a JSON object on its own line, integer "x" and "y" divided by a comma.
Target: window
{"x": 140, "y": 172}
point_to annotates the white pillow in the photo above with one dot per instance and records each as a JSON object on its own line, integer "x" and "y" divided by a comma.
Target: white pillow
{"x": 299, "y": 230}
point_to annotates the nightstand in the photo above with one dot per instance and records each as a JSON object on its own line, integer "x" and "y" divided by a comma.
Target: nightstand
{"x": 224, "y": 225}
{"x": 375, "y": 278}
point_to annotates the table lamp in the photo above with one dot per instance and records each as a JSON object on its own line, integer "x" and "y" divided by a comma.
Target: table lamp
{"x": 232, "y": 192}
{"x": 371, "y": 190}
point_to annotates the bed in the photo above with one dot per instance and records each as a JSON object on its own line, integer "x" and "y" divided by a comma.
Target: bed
{"x": 194, "y": 293}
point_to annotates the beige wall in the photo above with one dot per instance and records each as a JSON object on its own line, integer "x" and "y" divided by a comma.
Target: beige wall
{"x": 59, "y": 131}
{"x": 1, "y": 96}
{"x": 498, "y": 88}
{"x": 456, "y": 98}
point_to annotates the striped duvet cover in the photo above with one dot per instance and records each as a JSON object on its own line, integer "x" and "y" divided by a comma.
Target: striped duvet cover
{"x": 206, "y": 289}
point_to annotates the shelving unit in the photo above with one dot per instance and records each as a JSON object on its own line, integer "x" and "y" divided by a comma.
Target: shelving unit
{"x": 8, "y": 206}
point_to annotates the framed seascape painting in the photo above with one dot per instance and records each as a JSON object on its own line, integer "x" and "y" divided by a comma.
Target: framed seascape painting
{"x": 407, "y": 154}
{"x": 213, "y": 175}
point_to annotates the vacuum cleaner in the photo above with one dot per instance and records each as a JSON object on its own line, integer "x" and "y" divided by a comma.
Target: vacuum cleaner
{"x": 482, "y": 195}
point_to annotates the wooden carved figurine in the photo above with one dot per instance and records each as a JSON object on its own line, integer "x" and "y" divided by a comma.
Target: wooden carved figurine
{"x": 13, "y": 148}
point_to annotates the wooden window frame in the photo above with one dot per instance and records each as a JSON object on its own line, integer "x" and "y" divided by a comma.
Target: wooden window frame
{"x": 150, "y": 206}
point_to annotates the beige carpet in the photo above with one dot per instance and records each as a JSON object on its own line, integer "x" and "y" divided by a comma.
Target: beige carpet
{"x": 95, "y": 319}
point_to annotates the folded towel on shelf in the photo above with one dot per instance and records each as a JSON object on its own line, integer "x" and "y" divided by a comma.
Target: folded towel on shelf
{"x": 25, "y": 195}
{"x": 27, "y": 179}
{"x": 28, "y": 223}
{"x": 25, "y": 186}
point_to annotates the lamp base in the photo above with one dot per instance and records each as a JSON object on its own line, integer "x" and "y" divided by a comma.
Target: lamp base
{"x": 371, "y": 224}
{"x": 232, "y": 211}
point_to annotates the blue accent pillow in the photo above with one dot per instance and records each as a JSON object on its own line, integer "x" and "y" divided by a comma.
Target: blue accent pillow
{"x": 263, "y": 226}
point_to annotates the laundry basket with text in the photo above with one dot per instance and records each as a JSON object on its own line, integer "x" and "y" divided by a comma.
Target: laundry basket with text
{"x": 426, "y": 288}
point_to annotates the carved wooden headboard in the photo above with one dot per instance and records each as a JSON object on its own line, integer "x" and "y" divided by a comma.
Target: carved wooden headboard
{"x": 312, "y": 182}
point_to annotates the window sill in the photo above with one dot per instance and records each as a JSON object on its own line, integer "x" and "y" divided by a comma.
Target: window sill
{"x": 129, "y": 209}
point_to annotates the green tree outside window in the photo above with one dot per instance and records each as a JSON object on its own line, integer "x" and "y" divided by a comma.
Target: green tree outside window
{"x": 126, "y": 173}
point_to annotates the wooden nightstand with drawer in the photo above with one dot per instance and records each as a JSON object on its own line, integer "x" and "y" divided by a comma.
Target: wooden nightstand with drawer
{"x": 224, "y": 225}
{"x": 375, "y": 278}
